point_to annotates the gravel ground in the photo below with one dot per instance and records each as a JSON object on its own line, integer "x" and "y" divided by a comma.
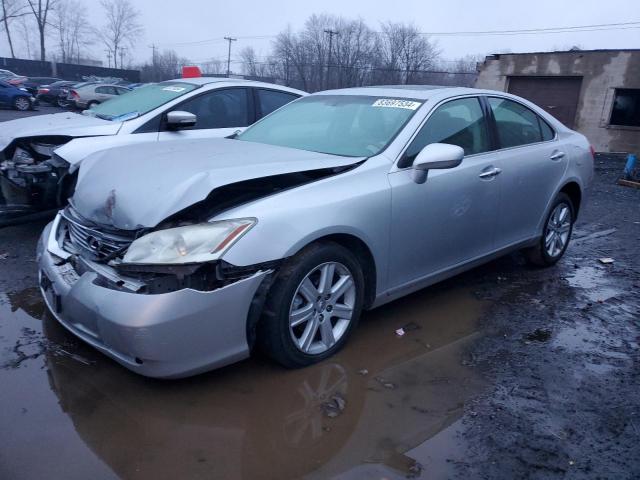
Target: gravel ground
{"x": 560, "y": 347}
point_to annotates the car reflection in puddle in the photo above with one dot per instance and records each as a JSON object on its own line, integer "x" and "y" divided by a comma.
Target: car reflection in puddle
{"x": 255, "y": 420}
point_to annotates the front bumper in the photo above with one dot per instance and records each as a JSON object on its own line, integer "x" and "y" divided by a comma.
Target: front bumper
{"x": 168, "y": 335}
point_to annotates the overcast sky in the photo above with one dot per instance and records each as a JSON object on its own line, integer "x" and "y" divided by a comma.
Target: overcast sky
{"x": 170, "y": 23}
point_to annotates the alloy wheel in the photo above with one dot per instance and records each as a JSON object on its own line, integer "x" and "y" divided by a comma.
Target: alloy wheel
{"x": 322, "y": 308}
{"x": 22, "y": 104}
{"x": 558, "y": 229}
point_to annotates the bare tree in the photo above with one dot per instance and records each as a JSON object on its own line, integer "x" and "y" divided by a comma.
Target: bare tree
{"x": 403, "y": 53}
{"x": 122, "y": 26}
{"x": 164, "y": 66}
{"x": 249, "y": 60}
{"x": 40, "y": 10}
{"x": 213, "y": 67}
{"x": 74, "y": 32}
{"x": 11, "y": 9}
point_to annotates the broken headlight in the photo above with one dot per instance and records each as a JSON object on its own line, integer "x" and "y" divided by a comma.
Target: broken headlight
{"x": 199, "y": 243}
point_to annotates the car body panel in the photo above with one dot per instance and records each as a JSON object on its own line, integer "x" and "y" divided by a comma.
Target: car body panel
{"x": 63, "y": 124}
{"x": 191, "y": 170}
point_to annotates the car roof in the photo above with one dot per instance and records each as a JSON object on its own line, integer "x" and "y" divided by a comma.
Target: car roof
{"x": 236, "y": 81}
{"x": 419, "y": 92}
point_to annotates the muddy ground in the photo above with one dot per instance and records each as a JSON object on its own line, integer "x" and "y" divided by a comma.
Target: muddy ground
{"x": 504, "y": 372}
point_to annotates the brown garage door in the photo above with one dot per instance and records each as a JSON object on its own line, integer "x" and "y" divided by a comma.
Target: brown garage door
{"x": 557, "y": 95}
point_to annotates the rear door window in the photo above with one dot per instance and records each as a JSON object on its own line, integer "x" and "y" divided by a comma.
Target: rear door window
{"x": 517, "y": 125}
{"x": 271, "y": 100}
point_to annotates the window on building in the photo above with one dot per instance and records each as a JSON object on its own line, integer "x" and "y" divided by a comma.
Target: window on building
{"x": 626, "y": 107}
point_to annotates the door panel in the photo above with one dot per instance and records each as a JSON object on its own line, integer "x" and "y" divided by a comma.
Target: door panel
{"x": 451, "y": 218}
{"x": 530, "y": 169}
{"x": 447, "y": 220}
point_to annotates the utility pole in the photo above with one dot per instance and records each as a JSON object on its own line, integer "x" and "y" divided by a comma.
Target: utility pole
{"x": 229, "y": 39}
{"x": 153, "y": 61}
{"x": 108, "y": 57}
{"x": 331, "y": 33}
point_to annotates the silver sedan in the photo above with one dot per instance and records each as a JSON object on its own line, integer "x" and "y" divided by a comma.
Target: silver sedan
{"x": 178, "y": 257}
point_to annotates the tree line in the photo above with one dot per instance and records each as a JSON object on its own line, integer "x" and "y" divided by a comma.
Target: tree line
{"x": 332, "y": 52}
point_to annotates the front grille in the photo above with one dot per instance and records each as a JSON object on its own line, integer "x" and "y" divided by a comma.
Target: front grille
{"x": 91, "y": 241}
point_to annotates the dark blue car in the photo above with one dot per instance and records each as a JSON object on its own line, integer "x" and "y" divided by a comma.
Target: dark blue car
{"x": 14, "y": 97}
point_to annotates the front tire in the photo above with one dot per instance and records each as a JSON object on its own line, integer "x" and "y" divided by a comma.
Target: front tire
{"x": 22, "y": 104}
{"x": 555, "y": 235}
{"x": 313, "y": 305}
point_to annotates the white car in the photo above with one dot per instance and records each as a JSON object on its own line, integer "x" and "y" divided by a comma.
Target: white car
{"x": 88, "y": 96}
{"x": 33, "y": 179}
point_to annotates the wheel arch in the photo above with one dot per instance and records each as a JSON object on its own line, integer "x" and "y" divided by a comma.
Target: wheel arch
{"x": 574, "y": 192}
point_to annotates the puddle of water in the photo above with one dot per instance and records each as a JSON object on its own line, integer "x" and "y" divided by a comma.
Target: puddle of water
{"x": 593, "y": 283}
{"x": 601, "y": 351}
{"x": 253, "y": 420}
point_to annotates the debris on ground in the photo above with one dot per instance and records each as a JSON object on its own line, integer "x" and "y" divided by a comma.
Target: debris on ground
{"x": 385, "y": 383}
{"x": 335, "y": 406}
{"x": 606, "y": 260}
{"x": 539, "y": 335}
{"x": 363, "y": 372}
{"x": 400, "y": 332}
{"x": 415, "y": 470}
{"x": 4, "y": 256}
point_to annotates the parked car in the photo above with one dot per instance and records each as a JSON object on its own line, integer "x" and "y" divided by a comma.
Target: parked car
{"x": 55, "y": 93}
{"x": 11, "y": 78}
{"x": 180, "y": 257}
{"x": 15, "y": 97}
{"x": 32, "y": 179}
{"x": 90, "y": 95}
{"x": 32, "y": 84}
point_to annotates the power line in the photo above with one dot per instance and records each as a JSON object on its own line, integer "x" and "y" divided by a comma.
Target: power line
{"x": 528, "y": 31}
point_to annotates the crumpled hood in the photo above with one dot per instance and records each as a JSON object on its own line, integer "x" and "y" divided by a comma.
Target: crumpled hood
{"x": 140, "y": 185}
{"x": 69, "y": 124}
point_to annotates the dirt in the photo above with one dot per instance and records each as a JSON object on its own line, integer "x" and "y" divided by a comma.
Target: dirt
{"x": 502, "y": 372}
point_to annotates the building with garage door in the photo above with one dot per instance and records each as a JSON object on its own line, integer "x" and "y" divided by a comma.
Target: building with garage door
{"x": 596, "y": 92}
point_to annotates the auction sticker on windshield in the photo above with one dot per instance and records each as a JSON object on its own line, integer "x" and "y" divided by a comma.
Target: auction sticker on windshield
{"x": 396, "y": 103}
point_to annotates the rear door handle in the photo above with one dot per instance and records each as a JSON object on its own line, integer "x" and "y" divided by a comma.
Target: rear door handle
{"x": 491, "y": 173}
{"x": 557, "y": 156}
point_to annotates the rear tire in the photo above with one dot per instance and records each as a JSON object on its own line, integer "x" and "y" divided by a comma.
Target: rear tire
{"x": 21, "y": 103}
{"x": 304, "y": 319}
{"x": 556, "y": 234}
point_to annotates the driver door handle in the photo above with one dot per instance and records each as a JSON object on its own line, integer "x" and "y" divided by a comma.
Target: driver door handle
{"x": 557, "y": 156}
{"x": 491, "y": 173}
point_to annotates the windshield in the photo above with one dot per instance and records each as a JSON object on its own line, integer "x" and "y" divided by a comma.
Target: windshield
{"x": 351, "y": 126}
{"x": 140, "y": 101}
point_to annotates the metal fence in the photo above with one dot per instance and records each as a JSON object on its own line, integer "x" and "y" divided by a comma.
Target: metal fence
{"x": 66, "y": 71}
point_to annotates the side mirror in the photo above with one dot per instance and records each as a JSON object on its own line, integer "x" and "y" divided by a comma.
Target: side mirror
{"x": 436, "y": 156}
{"x": 178, "y": 120}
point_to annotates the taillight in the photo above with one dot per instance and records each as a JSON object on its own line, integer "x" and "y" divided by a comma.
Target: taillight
{"x": 43, "y": 90}
{"x": 593, "y": 151}
{"x": 15, "y": 81}
{"x": 74, "y": 94}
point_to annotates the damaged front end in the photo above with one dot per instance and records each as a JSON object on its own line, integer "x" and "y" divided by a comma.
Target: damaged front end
{"x": 88, "y": 247}
{"x": 33, "y": 179}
